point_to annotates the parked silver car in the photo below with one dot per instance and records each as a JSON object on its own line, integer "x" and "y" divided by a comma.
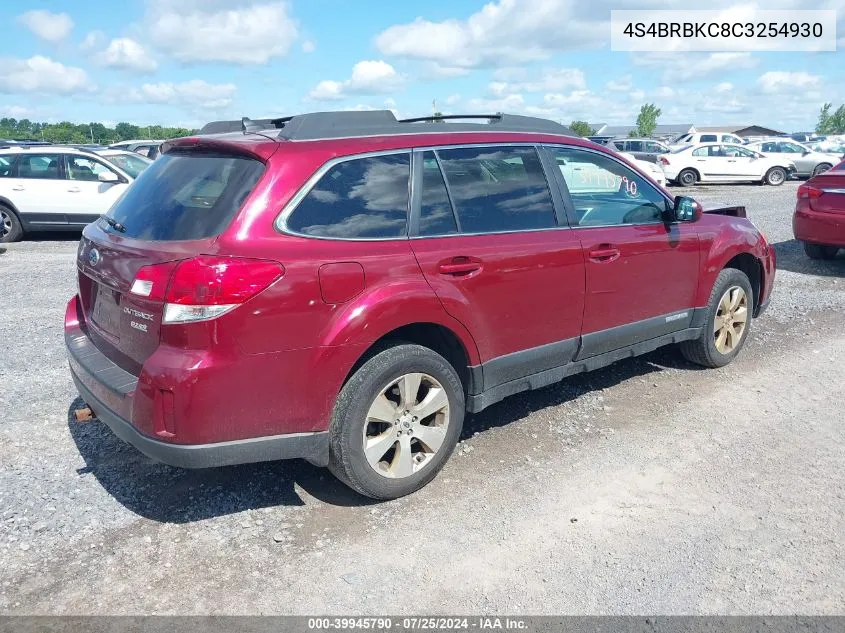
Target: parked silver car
{"x": 642, "y": 148}
{"x": 807, "y": 162}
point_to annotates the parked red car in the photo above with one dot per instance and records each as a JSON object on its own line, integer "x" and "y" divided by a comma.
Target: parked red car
{"x": 342, "y": 287}
{"x": 819, "y": 218}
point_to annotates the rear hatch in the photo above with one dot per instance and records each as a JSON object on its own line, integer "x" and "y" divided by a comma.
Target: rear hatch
{"x": 168, "y": 217}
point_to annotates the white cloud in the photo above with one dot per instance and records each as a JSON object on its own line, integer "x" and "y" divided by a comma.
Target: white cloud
{"x": 93, "y": 40}
{"x": 52, "y": 27}
{"x": 502, "y": 32}
{"x": 308, "y": 46}
{"x": 43, "y": 75}
{"x": 681, "y": 67}
{"x": 775, "y": 81}
{"x": 724, "y": 86}
{"x": 368, "y": 77}
{"x": 195, "y": 93}
{"x": 665, "y": 92}
{"x": 453, "y": 99}
{"x": 554, "y": 80}
{"x": 222, "y": 31}
{"x": 126, "y": 54}
{"x": 509, "y": 32}
{"x": 621, "y": 84}
{"x": 15, "y": 112}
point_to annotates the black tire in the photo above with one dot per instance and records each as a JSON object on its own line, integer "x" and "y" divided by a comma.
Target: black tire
{"x": 10, "y": 226}
{"x": 820, "y": 251}
{"x": 702, "y": 351}
{"x": 687, "y": 177}
{"x": 347, "y": 460}
{"x": 820, "y": 169}
{"x": 775, "y": 177}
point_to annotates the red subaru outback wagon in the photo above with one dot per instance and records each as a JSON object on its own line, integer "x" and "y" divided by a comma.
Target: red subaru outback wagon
{"x": 342, "y": 287}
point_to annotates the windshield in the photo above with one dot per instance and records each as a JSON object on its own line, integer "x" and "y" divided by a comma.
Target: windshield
{"x": 185, "y": 196}
{"x": 130, "y": 163}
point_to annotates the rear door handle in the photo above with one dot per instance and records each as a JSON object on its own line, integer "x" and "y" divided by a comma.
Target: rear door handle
{"x": 74, "y": 189}
{"x": 459, "y": 266}
{"x": 604, "y": 255}
{"x": 18, "y": 188}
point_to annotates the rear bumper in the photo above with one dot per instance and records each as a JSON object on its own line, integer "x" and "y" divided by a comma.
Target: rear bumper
{"x": 311, "y": 446}
{"x": 818, "y": 227}
{"x": 118, "y": 399}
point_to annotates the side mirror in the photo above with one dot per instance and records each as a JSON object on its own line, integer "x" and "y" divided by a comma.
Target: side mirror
{"x": 685, "y": 209}
{"x": 805, "y": 153}
{"x": 109, "y": 177}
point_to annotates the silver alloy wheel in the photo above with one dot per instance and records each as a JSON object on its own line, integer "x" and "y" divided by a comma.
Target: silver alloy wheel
{"x": 406, "y": 425}
{"x": 776, "y": 176}
{"x": 5, "y": 223}
{"x": 731, "y": 320}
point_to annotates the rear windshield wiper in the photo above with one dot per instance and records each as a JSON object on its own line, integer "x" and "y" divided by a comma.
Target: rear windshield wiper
{"x": 117, "y": 226}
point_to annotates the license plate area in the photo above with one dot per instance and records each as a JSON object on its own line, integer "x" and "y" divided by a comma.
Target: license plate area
{"x": 105, "y": 312}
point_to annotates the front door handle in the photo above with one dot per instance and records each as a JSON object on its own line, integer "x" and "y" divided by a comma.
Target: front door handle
{"x": 74, "y": 189}
{"x": 18, "y": 188}
{"x": 459, "y": 266}
{"x": 604, "y": 255}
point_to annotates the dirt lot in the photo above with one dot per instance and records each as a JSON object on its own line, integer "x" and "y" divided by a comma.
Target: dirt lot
{"x": 648, "y": 487}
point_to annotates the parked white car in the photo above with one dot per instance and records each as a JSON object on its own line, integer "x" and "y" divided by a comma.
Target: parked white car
{"x": 649, "y": 168}
{"x": 722, "y": 162}
{"x": 807, "y": 162}
{"x": 705, "y": 137}
{"x": 49, "y": 188}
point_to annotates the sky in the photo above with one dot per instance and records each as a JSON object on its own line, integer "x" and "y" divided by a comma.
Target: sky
{"x": 186, "y": 62}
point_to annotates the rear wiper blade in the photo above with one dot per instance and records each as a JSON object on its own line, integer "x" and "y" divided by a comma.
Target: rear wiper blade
{"x": 117, "y": 226}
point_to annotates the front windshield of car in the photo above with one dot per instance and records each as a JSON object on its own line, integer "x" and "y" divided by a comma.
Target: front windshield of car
{"x": 132, "y": 164}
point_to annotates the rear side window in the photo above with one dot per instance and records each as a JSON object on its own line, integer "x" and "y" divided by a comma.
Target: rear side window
{"x": 498, "y": 189}
{"x": 708, "y": 138}
{"x": 41, "y": 166}
{"x": 185, "y": 196}
{"x": 357, "y": 199}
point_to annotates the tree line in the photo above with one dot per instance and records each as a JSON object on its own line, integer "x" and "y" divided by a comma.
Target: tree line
{"x": 67, "y": 132}
{"x": 830, "y": 121}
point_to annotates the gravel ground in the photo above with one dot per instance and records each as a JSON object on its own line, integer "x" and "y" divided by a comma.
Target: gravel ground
{"x": 647, "y": 487}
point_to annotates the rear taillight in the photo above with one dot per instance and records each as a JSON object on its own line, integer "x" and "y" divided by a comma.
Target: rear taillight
{"x": 809, "y": 192}
{"x": 204, "y": 287}
{"x": 664, "y": 160}
{"x": 151, "y": 281}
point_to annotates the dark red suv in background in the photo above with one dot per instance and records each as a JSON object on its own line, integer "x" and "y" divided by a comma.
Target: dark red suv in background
{"x": 342, "y": 287}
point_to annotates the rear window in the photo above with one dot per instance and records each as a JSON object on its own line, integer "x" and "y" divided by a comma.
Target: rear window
{"x": 186, "y": 196}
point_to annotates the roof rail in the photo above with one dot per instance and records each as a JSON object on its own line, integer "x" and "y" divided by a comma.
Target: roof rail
{"x": 353, "y": 123}
{"x": 447, "y": 117}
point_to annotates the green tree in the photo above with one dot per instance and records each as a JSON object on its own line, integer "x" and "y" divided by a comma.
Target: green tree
{"x": 127, "y": 131}
{"x": 647, "y": 119}
{"x": 829, "y": 123}
{"x": 582, "y": 128}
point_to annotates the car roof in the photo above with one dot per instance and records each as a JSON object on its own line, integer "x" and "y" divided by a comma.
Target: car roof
{"x": 119, "y": 152}
{"x": 356, "y": 124}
